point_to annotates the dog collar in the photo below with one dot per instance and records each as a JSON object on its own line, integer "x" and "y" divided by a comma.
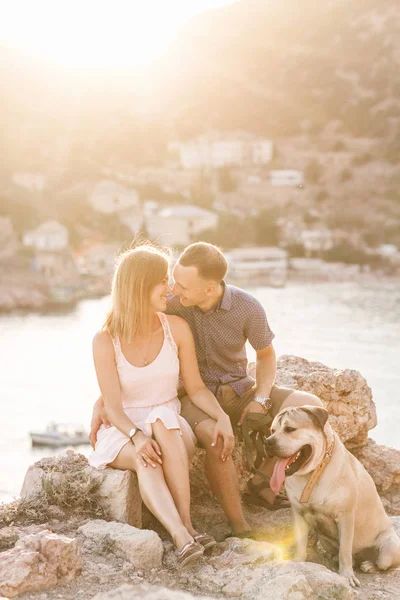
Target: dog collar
{"x": 316, "y": 474}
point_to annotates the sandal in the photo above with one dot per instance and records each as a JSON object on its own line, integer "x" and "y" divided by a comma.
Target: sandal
{"x": 205, "y": 540}
{"x": 190, "y": 552}
{"x": 280, "y": 501}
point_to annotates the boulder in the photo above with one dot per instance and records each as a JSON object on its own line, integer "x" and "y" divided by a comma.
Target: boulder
{"x": 255, "y": 571}
{"x": 70, "y": 476}
{"x": 141, "y": 547}
{"x": 38, "y": 562}
{"x": 383, "y": 464}
{"x": 344, "y": 392}
{"x": 146, "y": 592}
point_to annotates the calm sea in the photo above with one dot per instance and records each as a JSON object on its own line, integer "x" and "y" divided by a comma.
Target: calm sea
{"x": 47, "y": 372}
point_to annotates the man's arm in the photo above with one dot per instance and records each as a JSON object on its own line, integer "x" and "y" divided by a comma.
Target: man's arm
{"x": 265, "y": 377}
{"x": 265, "y": 371}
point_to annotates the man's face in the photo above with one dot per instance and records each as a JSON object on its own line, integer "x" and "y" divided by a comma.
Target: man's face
{"x": 189, "y": 286}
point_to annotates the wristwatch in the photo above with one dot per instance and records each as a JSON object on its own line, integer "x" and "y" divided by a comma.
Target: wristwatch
{"x": 132, "y": 433}
{"x": 266, "y": 403}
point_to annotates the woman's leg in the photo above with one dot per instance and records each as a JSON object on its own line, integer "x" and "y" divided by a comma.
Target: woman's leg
{"x": 155, "y": 494}
{"x": 176, "y": 469}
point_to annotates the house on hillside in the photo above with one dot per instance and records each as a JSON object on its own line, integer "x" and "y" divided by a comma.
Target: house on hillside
{"x": 109, "y": 197}
{"x": 286, "y": 177}
{"x": 178, "y": 225}
{"x": 213, "y": 151}
{"x": 52, "y": 256}
{"x": 50, "y": 235}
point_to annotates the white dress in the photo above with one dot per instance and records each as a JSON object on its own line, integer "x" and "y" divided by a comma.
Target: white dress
{"x": 148, "y": 393}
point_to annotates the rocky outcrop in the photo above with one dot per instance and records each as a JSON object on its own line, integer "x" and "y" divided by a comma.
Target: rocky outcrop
{"x": 140, "y": 547}
{"x": 146, "y": 592}
{"x": 344, "y": 392}
{"x": 38, "y": 562}
{"x": 69, "y": 475}
{"x": 383, "y": 464}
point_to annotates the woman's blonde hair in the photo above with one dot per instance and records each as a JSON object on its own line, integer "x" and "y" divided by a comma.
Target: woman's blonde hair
{"x": 136, "y": 274}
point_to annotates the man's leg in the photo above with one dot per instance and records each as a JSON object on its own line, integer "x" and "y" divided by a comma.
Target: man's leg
{"x": 222, "y": 477}
{"x": 295, "y": 398}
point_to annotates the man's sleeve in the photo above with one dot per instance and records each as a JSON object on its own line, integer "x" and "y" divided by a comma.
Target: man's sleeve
{"x": 257, "y": 329}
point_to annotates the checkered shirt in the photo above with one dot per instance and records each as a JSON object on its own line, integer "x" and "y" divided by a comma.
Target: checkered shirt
{"x": 220, "y": 336}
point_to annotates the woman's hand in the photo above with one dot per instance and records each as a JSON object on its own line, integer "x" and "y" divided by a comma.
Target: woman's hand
{"x": 224, "y": 429}
{"x": 147, "y": 450}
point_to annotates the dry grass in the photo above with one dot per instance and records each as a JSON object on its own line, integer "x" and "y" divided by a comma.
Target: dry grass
{"x": 72, "y": 490}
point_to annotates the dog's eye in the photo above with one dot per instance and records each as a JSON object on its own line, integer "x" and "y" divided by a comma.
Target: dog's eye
{"x": 289, "y": 429}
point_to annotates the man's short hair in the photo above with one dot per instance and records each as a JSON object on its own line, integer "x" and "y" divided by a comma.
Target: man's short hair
{"x": 207, "y": 258}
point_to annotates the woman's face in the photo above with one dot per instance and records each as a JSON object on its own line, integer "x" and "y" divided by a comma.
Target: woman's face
{"x": 158, "y": 297}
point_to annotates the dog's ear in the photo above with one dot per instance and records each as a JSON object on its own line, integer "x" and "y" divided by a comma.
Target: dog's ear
{"x": 318, "y": 414}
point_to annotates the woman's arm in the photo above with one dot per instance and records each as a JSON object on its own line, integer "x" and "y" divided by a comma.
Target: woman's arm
{"x": 199, "y": 394}
{"x": 107, "y": 377}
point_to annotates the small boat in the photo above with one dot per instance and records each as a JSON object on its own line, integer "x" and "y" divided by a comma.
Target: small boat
{"x": 60, "y": 434}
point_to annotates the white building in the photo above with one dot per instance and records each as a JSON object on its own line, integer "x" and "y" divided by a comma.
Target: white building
{"x": 112, "y": 197}
{"x": 178, "y": 225}
{"x": 287, "y": 177}
{"x": 207, "y": 152}
{"x": 50, "y": 235}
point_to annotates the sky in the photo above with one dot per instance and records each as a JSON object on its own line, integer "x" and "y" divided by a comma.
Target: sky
{"x": 97, "y": 33}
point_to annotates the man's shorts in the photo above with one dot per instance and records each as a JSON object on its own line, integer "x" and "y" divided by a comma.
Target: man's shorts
{"x": 231, "y": 403}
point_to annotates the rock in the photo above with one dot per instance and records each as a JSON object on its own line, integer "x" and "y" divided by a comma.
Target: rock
{"x": 383, "y": 464}
{"x": 253, "y": 571}
{"x": 305, "y": 581}
{"x": 146, "y": 592}
{"x": 345, "y": 394}
{"x": 140, "y": 547}
{"x": 38, "y": 562}
{"x": 117, "y": 491}
{"x": 120, "y": 496}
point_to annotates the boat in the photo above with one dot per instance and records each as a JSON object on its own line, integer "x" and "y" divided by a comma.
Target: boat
{"x": 60, "y": 434}
{"x": 258, "y": 266}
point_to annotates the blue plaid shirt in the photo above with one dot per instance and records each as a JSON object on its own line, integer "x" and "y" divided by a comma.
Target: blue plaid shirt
{"x": 220, "y": 336}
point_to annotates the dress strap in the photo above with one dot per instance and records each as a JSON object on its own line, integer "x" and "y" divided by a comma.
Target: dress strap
{"x": 167, "y": 331}
{"x": 117, "y": 348}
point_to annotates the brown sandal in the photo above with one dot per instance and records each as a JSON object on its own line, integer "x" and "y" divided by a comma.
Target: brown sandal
{"x": 190, "y": 552}
{"x": 280, "y": 501}
{"x": 205, "y": 540}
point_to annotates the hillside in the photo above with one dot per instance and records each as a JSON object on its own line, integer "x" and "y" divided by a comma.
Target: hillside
{"x": 321, "y": 79}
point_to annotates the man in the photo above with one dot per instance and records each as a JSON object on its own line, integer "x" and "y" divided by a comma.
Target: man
{"x": 222, "y": 319}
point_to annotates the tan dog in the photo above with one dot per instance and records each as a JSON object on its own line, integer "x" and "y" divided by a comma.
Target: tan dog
{"x": 330, "y": 491}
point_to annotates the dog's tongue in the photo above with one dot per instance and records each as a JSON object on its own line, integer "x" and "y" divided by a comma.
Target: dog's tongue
{"x": 278, "y": 476}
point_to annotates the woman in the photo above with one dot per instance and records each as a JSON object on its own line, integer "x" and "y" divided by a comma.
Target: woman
{"x": 139, "y": 355}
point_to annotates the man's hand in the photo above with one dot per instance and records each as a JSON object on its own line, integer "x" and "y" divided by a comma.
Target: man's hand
{"x": 99, "y": 417}
{"x": 254, "y": 407}
{"x": 223, "y": 428}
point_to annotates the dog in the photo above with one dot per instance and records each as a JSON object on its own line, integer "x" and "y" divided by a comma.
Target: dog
{"x": 331, "y": 492}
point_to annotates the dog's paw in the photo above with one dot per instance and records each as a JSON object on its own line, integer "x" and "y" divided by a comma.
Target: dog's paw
{"x": 368, "y": 567}
{"x": 351, "y": 578}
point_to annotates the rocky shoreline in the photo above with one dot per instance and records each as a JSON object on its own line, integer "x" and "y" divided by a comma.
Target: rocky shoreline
{"x": 82, "y": 533}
